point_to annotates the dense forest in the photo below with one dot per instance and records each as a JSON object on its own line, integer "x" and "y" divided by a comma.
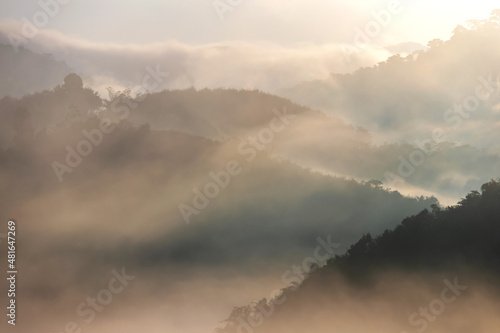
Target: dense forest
{"x": 461, "y": 239}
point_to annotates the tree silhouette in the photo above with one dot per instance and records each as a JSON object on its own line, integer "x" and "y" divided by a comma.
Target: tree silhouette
{"x": 73, "y": 82}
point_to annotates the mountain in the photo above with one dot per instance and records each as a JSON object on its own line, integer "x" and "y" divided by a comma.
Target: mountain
{"x": 269, "y": 197}
{"x": 62, "y": 103}
{"x": 205, "y": 177}
{"x": 452, "y": 86}
{"x": 24, "y": 72}
{"x": 428, "y": 273}
{"x": 312, "y": 139}
{"x": 96, "y": 190}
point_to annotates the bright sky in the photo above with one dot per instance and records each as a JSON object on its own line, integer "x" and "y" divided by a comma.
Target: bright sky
{"x": 282, "y": 22}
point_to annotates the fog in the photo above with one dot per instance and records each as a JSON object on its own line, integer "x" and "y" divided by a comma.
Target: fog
{"x": 170, "y": 182}
{"x": 393, "y": 302}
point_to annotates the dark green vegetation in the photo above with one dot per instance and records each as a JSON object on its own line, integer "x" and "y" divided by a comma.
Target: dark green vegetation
{"x": 461, "y": 240}
{"x": 464, "y": 235}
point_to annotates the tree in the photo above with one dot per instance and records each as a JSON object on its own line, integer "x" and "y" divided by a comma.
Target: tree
{"x": 375, "y": 183}
{"x": 435, "y": 43}
{"x": 73, "y": 82}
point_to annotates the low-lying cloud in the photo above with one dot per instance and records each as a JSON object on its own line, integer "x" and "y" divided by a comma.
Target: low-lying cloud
{"x": 258, "y": 65}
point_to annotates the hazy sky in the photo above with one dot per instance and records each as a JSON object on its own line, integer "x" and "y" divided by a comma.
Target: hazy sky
{"x": 290, "y": 22}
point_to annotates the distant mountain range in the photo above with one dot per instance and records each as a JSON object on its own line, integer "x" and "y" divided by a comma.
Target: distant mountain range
{"x": 24, "y": 72}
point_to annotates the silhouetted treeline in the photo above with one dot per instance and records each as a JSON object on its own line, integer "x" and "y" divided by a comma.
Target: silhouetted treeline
{"x": 461, "y": 240}
{"x": 467, "y": 234}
